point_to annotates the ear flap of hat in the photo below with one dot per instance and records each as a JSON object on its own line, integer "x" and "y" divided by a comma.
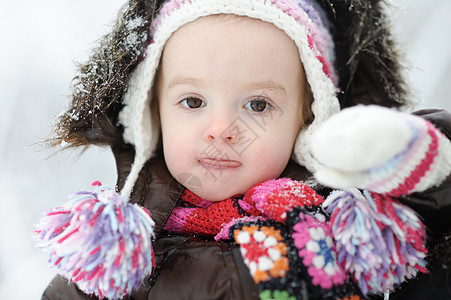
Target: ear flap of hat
{"x": 142, "y": 130}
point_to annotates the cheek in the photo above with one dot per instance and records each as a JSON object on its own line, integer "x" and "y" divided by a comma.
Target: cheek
{"x": 280, "y": 136}
{"x": 173, "y": 138}
{"x": 181, "y": 139}
{"x": 171, "y": 127}
{"x": 272, "y": 150}
{"x": 175, "y": 152}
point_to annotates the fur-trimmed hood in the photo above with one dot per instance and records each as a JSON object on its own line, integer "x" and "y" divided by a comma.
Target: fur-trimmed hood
{"x": 366, "y": 61}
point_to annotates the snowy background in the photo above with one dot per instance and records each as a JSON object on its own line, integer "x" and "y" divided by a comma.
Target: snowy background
{"x": 41, "y": 40}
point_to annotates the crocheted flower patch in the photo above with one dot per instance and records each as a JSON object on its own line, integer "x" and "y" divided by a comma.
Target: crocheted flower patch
{"x": 263, "y": 251}
{"x": 270, "y": 252}
{"x": 314, "y": 240}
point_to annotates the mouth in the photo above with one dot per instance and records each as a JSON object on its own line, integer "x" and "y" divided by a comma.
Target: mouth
{"x": 218, "y": 164}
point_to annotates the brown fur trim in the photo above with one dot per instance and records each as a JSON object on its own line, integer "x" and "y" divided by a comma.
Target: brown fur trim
{"x": 98, "y": 88}
{"x": 367, "y": 57}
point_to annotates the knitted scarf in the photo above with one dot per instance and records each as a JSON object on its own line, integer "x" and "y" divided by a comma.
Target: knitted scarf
{"x": 197, "y": 216}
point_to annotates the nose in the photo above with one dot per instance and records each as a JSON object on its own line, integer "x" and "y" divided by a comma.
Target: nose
{"x": 222, "y": 127}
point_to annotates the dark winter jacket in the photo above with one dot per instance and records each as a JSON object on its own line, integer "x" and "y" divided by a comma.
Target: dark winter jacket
{"x": 190, "y": 267}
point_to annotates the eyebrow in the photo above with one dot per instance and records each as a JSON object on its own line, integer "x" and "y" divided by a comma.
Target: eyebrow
{"x": 266, "y": 84}
{"x": 179, "y": 80}
{"x": 269, "y": 85}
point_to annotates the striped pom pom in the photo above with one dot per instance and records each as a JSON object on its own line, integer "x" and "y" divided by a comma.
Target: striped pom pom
{"x": 379, "y": 241}
{"x": 99, "y": 241}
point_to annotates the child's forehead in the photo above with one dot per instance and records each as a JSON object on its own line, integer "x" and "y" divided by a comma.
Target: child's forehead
{"x": 230, "y": 43}
{"x": 232, "y": 31}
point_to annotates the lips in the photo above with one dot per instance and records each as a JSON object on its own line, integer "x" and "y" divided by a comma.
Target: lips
{"x": 218, "y": 164}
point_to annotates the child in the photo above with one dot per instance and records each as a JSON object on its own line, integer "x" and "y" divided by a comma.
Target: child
{"x": 220, "y": 100}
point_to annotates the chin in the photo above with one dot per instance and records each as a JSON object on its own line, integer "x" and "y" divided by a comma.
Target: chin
{"x": 215, "y": 195}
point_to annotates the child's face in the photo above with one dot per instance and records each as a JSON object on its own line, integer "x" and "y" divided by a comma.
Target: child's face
{"x": 230, "y": 94}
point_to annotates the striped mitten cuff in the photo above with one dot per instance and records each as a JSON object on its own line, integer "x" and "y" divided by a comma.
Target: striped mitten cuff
{"x": 382, "y": 150}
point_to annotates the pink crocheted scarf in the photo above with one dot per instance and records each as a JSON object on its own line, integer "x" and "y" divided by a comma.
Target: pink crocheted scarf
{"x": 197, "y": 216}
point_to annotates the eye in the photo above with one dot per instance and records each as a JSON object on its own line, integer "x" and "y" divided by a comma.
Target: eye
{"x": 192, "y": 103}
{"x": 258, "y": 105}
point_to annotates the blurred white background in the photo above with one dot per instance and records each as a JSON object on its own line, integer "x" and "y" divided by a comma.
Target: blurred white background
{"x": 41, "y": 40}
{"x": 39, "y": 43}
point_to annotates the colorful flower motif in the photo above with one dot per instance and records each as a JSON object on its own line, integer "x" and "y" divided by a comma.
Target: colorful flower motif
{"x": 316, "y": 248}
{"x": 276, "y": 295}
{"x": 262, "y": 251}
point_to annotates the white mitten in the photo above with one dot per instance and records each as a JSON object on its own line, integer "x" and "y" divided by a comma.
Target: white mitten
{"x": 382, "y": 150}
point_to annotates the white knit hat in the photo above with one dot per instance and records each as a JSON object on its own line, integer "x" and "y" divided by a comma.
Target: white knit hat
{"x": 302, "y": 20}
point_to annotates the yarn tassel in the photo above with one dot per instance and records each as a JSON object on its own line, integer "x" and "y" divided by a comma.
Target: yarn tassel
{"x": 380, "y": 241}
{"x": 99, "y": 241}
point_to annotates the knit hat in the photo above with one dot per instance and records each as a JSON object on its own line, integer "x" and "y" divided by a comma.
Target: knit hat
{"x": 302, "y": 20}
